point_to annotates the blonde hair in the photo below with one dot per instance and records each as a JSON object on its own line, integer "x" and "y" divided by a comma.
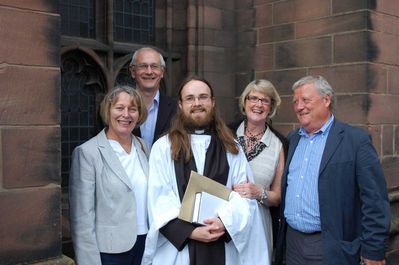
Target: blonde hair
{"x": 112, "y": 96}
{"x": 265, "y": 87}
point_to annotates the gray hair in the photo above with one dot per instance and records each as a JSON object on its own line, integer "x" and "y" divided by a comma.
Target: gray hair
{"x": 321, "y": 84}
{"x": 135, "y": 54}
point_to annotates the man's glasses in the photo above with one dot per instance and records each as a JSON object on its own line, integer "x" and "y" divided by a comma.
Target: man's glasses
{"x": 144, "y": 66}
{"x": 255, "y": 99}
{"x": 201, "y": 98}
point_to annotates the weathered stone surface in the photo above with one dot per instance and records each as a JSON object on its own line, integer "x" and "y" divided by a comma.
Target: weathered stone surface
{"x": 384, "y": 109}
{"x": 283, "y": 80}
{"x": 357, "y": 105}
{"x": 264, "y": 57}
{"x": 303, "y": 53}
{"x": 354, "y": 78}
{"x": 263, "y": 15}
{"x": 354, "y": 47}
{"x": 37, "y": 5}
{"x": 393, "y": 80}
{"x": 42, "y": 38}
{"x": 332, "y": 24}
{"x": 277, "y": 33}
{"x": 285, "y": 113}
{"x": 339, "y": 6}
{"x": 24, "y": 101}
{"x": 387, "y": 140}
{"x": 32, "y": 222}
{"x": 296, "y": 10}
{"x": 390, "y": 166}
{"x": 211, "y": 37}
{"x": 375, "y": 132}
{"x": 31, "y": 156}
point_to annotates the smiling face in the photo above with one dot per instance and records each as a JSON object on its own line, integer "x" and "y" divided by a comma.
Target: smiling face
{"x": 196, "y": 104}
{"x": 123, "y": 116}
{"x": 257, "y": 111}
{"x": 147, "y": 78}
{"x": 311, "y": 108}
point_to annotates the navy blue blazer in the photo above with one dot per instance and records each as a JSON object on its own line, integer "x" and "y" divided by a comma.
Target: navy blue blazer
{"x": 166, "y": 111}
{"x": 354, "y": 208}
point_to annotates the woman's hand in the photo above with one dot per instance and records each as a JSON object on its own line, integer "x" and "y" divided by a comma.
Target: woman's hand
{"x": 248, "y": 190}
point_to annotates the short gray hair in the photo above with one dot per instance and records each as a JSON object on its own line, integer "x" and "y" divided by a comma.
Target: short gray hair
{"x": 135, "y": 54}
{"x": 321, "y": 84}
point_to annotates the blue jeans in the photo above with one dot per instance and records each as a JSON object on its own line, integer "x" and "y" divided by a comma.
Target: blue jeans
{"x": 131, "y": 257}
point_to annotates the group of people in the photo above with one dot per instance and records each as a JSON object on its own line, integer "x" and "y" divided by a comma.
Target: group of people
{"x": 127, "y": 183}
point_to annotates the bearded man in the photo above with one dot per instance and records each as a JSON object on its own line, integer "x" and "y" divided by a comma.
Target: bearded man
{"x": 199, "y": 140}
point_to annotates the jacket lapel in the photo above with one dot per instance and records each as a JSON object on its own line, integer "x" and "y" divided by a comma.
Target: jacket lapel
{"x": 142, "y": 156}
{"x": 164, "y": 112}
{"x": 111, "y": 159}
{"x": 334, "y": 139}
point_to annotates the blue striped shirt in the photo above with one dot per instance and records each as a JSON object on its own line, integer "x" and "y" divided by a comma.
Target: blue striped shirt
{"x": 302, "y": 199}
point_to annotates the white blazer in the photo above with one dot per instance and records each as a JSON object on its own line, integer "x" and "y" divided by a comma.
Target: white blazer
{"x": 102, "y": 201}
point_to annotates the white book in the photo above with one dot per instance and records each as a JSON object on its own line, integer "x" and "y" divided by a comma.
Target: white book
{"x": 206, "y": 206}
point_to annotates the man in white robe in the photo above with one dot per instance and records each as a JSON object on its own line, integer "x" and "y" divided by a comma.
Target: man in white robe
{"x": 199, "y": 140}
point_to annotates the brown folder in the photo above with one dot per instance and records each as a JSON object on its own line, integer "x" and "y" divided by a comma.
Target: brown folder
{"x": 198, "y": 183}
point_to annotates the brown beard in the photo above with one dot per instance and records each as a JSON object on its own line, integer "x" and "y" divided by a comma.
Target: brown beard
{"x": 199, "y": 122}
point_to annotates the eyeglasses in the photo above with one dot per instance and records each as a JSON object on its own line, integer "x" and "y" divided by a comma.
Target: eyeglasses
{"x": 201, "y": 98}
{"x": 255, "y": 99}
{"x": 144, "y": 66}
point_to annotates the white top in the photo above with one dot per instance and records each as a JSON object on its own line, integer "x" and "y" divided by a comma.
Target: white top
{"x": 138, "y": 179}
{"x": 264, "y": 167}
{"x": 241, "y": 217}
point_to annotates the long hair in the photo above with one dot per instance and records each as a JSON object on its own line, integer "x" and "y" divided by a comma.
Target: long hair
{"x": 179, "y": 135}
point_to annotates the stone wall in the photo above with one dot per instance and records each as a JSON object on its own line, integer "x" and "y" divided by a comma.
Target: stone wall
{"x": 30, "y": 226}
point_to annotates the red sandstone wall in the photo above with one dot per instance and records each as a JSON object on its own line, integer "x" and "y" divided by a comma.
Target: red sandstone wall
{"x": 354, "y": 44}
{"x": 30, "y": 226}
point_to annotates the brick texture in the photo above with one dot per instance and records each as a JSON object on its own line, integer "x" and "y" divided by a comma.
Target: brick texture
{"x": 303, "y": 53}
{"x": 31, "y": 226}
{"x": 29, "y": 102}
{"x": 31, "y": 156}
{"x": 42, "y": 38}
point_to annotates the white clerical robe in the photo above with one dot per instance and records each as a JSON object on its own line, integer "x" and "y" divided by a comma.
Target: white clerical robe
{"x": 240, "y": 217}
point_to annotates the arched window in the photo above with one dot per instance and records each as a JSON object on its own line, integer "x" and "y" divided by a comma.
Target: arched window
{"x": 82, "y": 87}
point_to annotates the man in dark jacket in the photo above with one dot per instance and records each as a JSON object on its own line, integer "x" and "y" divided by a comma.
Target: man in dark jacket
{"x": 147, "y": 68}
{"x": 334, "y": 198}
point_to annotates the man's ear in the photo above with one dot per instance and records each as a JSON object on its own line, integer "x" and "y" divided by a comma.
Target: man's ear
{"x": 180, "y": 105}
{"x": 132, "y": 73}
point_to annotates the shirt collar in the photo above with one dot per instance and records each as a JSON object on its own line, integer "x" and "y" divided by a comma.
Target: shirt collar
{"x": 323, "y": 130}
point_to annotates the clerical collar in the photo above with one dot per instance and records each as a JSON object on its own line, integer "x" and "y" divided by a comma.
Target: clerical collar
{"x": 199, "y": 131}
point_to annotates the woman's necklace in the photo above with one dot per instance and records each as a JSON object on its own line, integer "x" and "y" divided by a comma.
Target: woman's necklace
{"x": 253, "y": 138}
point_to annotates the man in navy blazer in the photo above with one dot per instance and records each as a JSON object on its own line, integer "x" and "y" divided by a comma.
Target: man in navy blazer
{"x": 147, "y": 67}
{"x": 334, "y": 197}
